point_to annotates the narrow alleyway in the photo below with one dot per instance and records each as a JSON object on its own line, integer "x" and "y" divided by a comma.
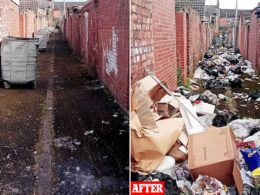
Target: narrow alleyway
{"x": 68, "y": 136}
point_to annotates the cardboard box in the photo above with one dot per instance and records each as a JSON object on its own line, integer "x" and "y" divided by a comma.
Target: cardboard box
{"x": 148, "y": 147}
{"x": 177, "y": 153}
{"x": 166, "y": 110}
{"x": 141, "y": 106}
{"x": 212, "y": 153}
{"x": 152, "y": 88}
{"x": 238, "y": 179}
{"x": 167, "y": 107}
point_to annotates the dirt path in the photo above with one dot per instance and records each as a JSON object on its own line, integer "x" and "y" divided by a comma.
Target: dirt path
{"x": 69, "y": 132}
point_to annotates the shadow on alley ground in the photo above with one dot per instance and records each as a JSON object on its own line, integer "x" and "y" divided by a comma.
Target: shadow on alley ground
{"x": 90, "y": 144}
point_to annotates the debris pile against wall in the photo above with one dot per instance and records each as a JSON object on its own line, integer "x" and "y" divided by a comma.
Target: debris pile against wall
{"x": 249, "y": 39}
{"x": 99, "y": 33}
{"x": 196, "y": 139}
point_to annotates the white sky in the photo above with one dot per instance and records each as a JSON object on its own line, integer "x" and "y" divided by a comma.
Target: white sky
{"x": 231, "y": 4}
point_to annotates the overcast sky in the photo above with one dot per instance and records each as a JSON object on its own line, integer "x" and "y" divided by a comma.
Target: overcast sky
{"x": 231, "y": 4}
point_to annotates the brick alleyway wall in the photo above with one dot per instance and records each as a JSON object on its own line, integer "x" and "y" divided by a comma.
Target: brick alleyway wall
{"x": 99, "y": 33}
{"x": 8, "y": 11}
{"x": 153, "y": 40}
{"x": 164, "y": 36}
{"x": 182, "y": 43}
{"x": 27, "y": 24}
{"x": 193, "y": 40}
{"x": 142, "y": 42}
{"x": 223, "y": 22}
{"x": 249, "y": 39}
{"x": 243, "y": 37}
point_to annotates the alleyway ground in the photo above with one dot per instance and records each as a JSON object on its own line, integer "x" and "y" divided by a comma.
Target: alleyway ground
{"x": 46, "y": 141}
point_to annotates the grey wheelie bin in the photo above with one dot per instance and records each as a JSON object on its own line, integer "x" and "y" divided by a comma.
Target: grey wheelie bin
{"x": 43, "y": 39}
{"x": 18, "y": 61}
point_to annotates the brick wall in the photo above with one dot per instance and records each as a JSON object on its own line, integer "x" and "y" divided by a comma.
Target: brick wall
{"x": 99, "y": 32}
{"x": 182, "y": 43}
{"x": 56, "y": 14}
{"x": 242, "y": 40}
{"x": 142, "y": 43}
{"x": 253, "y": 46}
{"x": 223, "y": 22}
{"x": 113, "y": 50}
{"x": 164, "y": 35}
{"x": 249, "y": 39}
{"x": 160, "y": 40}
{"x": 8, "y": 11}
{"x": 27, "y": 24}
{"x": 153, "y": 40}
{"x": 193, "y": 40}
{"x": 194, "y": 47}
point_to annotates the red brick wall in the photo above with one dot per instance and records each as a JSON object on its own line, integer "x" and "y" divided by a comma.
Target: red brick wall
{"x": 243, "y": 37}
{"x": 257, "y": 64}
{"x": 56, "y": 14}
{"x": 100, "y": 34}
{"x": 142, "y": 43}
{"x": 8, "y": 25}
{"x": 158, "y": 41}
{"x": 181, "y": 38}
{"x": 153, "y": 40}
{"x": 164, "y": 35}
{"x": 113, "y": 50}
{"x": 27, "y": 24}
{"x": 193, "y": 40}
{"x": 249, "y": 40}
{"x": 223, "y": 22}
{"x": 253, "y": 46}
{"x": 89, "y": 35}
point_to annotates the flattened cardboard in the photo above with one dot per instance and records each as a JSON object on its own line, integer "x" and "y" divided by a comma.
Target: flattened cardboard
{"x": 212, "y": 153}
{"x": 177, "y": 154}
{"x": 149, "y": 147}
{"x": 152, "y": 88}
{"x": 184, "y": 139}
{"x": 238, "y": 178}
{"x": 141, "y": 107}
{"x": 166, "y": 110}
{"x": 172, "y": 100}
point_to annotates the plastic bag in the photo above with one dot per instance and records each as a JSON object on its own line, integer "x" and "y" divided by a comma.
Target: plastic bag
{"x": 243, "y": 127}
{"x": 255, "y": 138}
{"x": 213, "y": 84}
{"x": 252, "y": 158}
{"x": 223, "y": 118}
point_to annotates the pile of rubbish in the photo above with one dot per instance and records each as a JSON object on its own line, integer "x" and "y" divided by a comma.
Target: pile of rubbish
{"x": 183, "y": 139}
{"x": 221, "y": 68}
